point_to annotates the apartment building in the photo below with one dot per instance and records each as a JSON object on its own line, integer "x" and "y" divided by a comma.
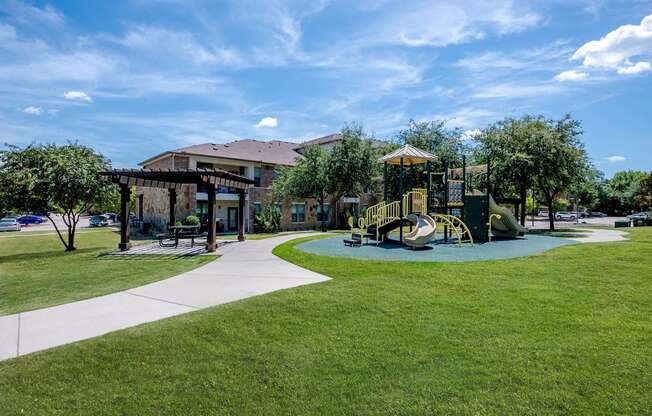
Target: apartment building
{"x": 254, "y": 159}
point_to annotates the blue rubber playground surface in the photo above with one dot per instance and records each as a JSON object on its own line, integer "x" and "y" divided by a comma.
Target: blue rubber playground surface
{"x": 436, "y": 251}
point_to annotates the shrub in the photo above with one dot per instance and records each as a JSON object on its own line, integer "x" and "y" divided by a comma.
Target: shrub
{"x": 191, "y": 220}
{"x": 269, "y": 219}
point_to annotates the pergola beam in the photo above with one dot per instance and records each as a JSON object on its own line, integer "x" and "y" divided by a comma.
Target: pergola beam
{"x": 212, "y": 219}
{"x": 172, "y": 180}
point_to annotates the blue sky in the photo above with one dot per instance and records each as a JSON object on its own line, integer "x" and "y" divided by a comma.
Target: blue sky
{"x": 135, "y": 78}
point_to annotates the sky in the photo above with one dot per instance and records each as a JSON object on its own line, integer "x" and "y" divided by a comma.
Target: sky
{"x": 132, "y": 79}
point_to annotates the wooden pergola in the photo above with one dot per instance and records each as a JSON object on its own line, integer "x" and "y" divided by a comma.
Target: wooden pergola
{"x": 172, "y": 180}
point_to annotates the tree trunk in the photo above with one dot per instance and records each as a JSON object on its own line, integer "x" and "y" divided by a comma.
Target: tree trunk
{"x": 523, "y": 198}
{"x": 551, "y": 214}
{"x": 71, "y": 241}
{"x": 56, "y": 228}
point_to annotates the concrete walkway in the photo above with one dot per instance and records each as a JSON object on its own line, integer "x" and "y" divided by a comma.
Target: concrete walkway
{"x": 598, "y": 235}
{"x": 244, "y": 270}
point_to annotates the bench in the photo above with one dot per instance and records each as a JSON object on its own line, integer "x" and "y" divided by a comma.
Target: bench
{"x": 173, "y": 239}
{"x": 354, "y": 241}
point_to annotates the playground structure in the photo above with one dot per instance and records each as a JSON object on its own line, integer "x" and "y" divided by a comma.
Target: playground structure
{"x": 456, "y": 203}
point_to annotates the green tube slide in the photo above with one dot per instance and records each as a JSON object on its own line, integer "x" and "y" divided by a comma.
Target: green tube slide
{"x": 507, "y": 225}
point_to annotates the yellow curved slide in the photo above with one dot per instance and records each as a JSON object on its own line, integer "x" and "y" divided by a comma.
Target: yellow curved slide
{"x": 507, "y": 225}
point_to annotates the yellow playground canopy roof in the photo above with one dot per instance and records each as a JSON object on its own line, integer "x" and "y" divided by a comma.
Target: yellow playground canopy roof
{"x": 410, "y": 155}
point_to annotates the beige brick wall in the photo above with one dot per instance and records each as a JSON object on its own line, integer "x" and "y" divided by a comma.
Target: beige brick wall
{"x": 156, "y": 201}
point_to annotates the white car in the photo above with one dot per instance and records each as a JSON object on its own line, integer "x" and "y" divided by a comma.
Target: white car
{"x": 9, "y": 224}
{"x": 565, "y": 216}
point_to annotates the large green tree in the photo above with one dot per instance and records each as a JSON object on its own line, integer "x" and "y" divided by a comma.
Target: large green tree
{"x": 643, "y": 196}
{"x": 621, "y": 191}
{"x": 560, "y": 160}
{"x": 348, "y": 168}
{"x": 308, "y": 179}
{"x": 510, "y": 146}
{"x": 587, "y": 190}
{"x": 432, "y": 136}
{"x": 53, "y": 179}
{"x": 352, "y": 163}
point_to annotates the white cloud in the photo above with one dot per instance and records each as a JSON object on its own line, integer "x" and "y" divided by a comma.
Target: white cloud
{"x": 615, "y": 159}
{"x": 471, "y": 134}
{"x": 572, "y": 75}
{"x": 635, "y": 69}
{"x": 77, "y": 95}
{"x": 32, "y": 110}
{"x": 467, "y": 117}
{"x": 439, "y": 24}
{"x": 617, "y": 48}
{"x": 267, "y": 122}
{"x": 27, "y": 14}
{"x": 160, "y": 41}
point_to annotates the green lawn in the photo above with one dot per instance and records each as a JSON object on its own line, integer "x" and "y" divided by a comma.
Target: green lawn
{"x": 35, "y": 272}
{"x": 564, "y": 332}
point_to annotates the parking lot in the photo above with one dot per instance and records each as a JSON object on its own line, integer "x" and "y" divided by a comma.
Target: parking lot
{"x": 542, "y": 222}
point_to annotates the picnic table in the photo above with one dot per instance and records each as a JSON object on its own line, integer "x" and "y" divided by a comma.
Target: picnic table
{"x": 179, "y": 232}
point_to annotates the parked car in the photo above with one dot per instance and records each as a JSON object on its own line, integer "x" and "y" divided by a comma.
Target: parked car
{"x": 639, "y": 216}
{"x": 111, "y": 216}
{"x": 31, "y": 219}
{"x": 597, "y": 214}
{"x": 99, "y": 221}
{"x": 543, "y": 213}
{"x": 565, "y": 216}
{"x": 9, "y": 224}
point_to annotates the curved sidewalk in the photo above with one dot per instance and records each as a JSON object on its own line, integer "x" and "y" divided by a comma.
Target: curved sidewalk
{"x": 245, "y": 269}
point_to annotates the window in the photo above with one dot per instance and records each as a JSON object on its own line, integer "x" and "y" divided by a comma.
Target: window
{"x": 322, "y": 216}
{"x": 204, "y": 165}
{"x": 279, "y": 207}
{"x": 257, "y": 176}
{"x": 257, "y": 208}
{"x": 298, "y": 212}
{"x": 202, "y": 211}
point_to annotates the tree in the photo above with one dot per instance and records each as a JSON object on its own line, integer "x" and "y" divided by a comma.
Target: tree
{"x": 434, "y": 137}
{"x": 643, "y": 196}
{"x": 587, "y": 190}
{"x": 269, "y": 219}
{"x": 345, "y": 170}
{"x": 352, "y": 164}
{"x": 510, "y": 146}
{"x": 560, "y": 160}
{"x": 622, "y": 189}
{"x": 49, "y": 178}
{"x": 308, "y": 179}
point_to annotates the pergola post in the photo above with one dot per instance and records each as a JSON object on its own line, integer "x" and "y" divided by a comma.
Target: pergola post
{"x": 429, "y": 185}
{"x": 385, "y": 184}
{"x": 212, "y": 219}
{"x": 241, "y": 203}
{"x": 173, "y": 202}
{"x": 400, "y": 193}
{"x": 125, "y": 192}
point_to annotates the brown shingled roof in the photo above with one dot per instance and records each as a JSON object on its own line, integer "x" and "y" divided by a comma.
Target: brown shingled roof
{"x": 321, "y": 140}
{"x": 276, "y": 152}
{"x": 273, "y": 152}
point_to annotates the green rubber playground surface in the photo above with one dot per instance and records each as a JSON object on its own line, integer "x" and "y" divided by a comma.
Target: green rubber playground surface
{"x": 436, "y": 251}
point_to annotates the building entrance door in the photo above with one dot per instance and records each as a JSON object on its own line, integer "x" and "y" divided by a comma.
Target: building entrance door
{"x": 232, "y": 218}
